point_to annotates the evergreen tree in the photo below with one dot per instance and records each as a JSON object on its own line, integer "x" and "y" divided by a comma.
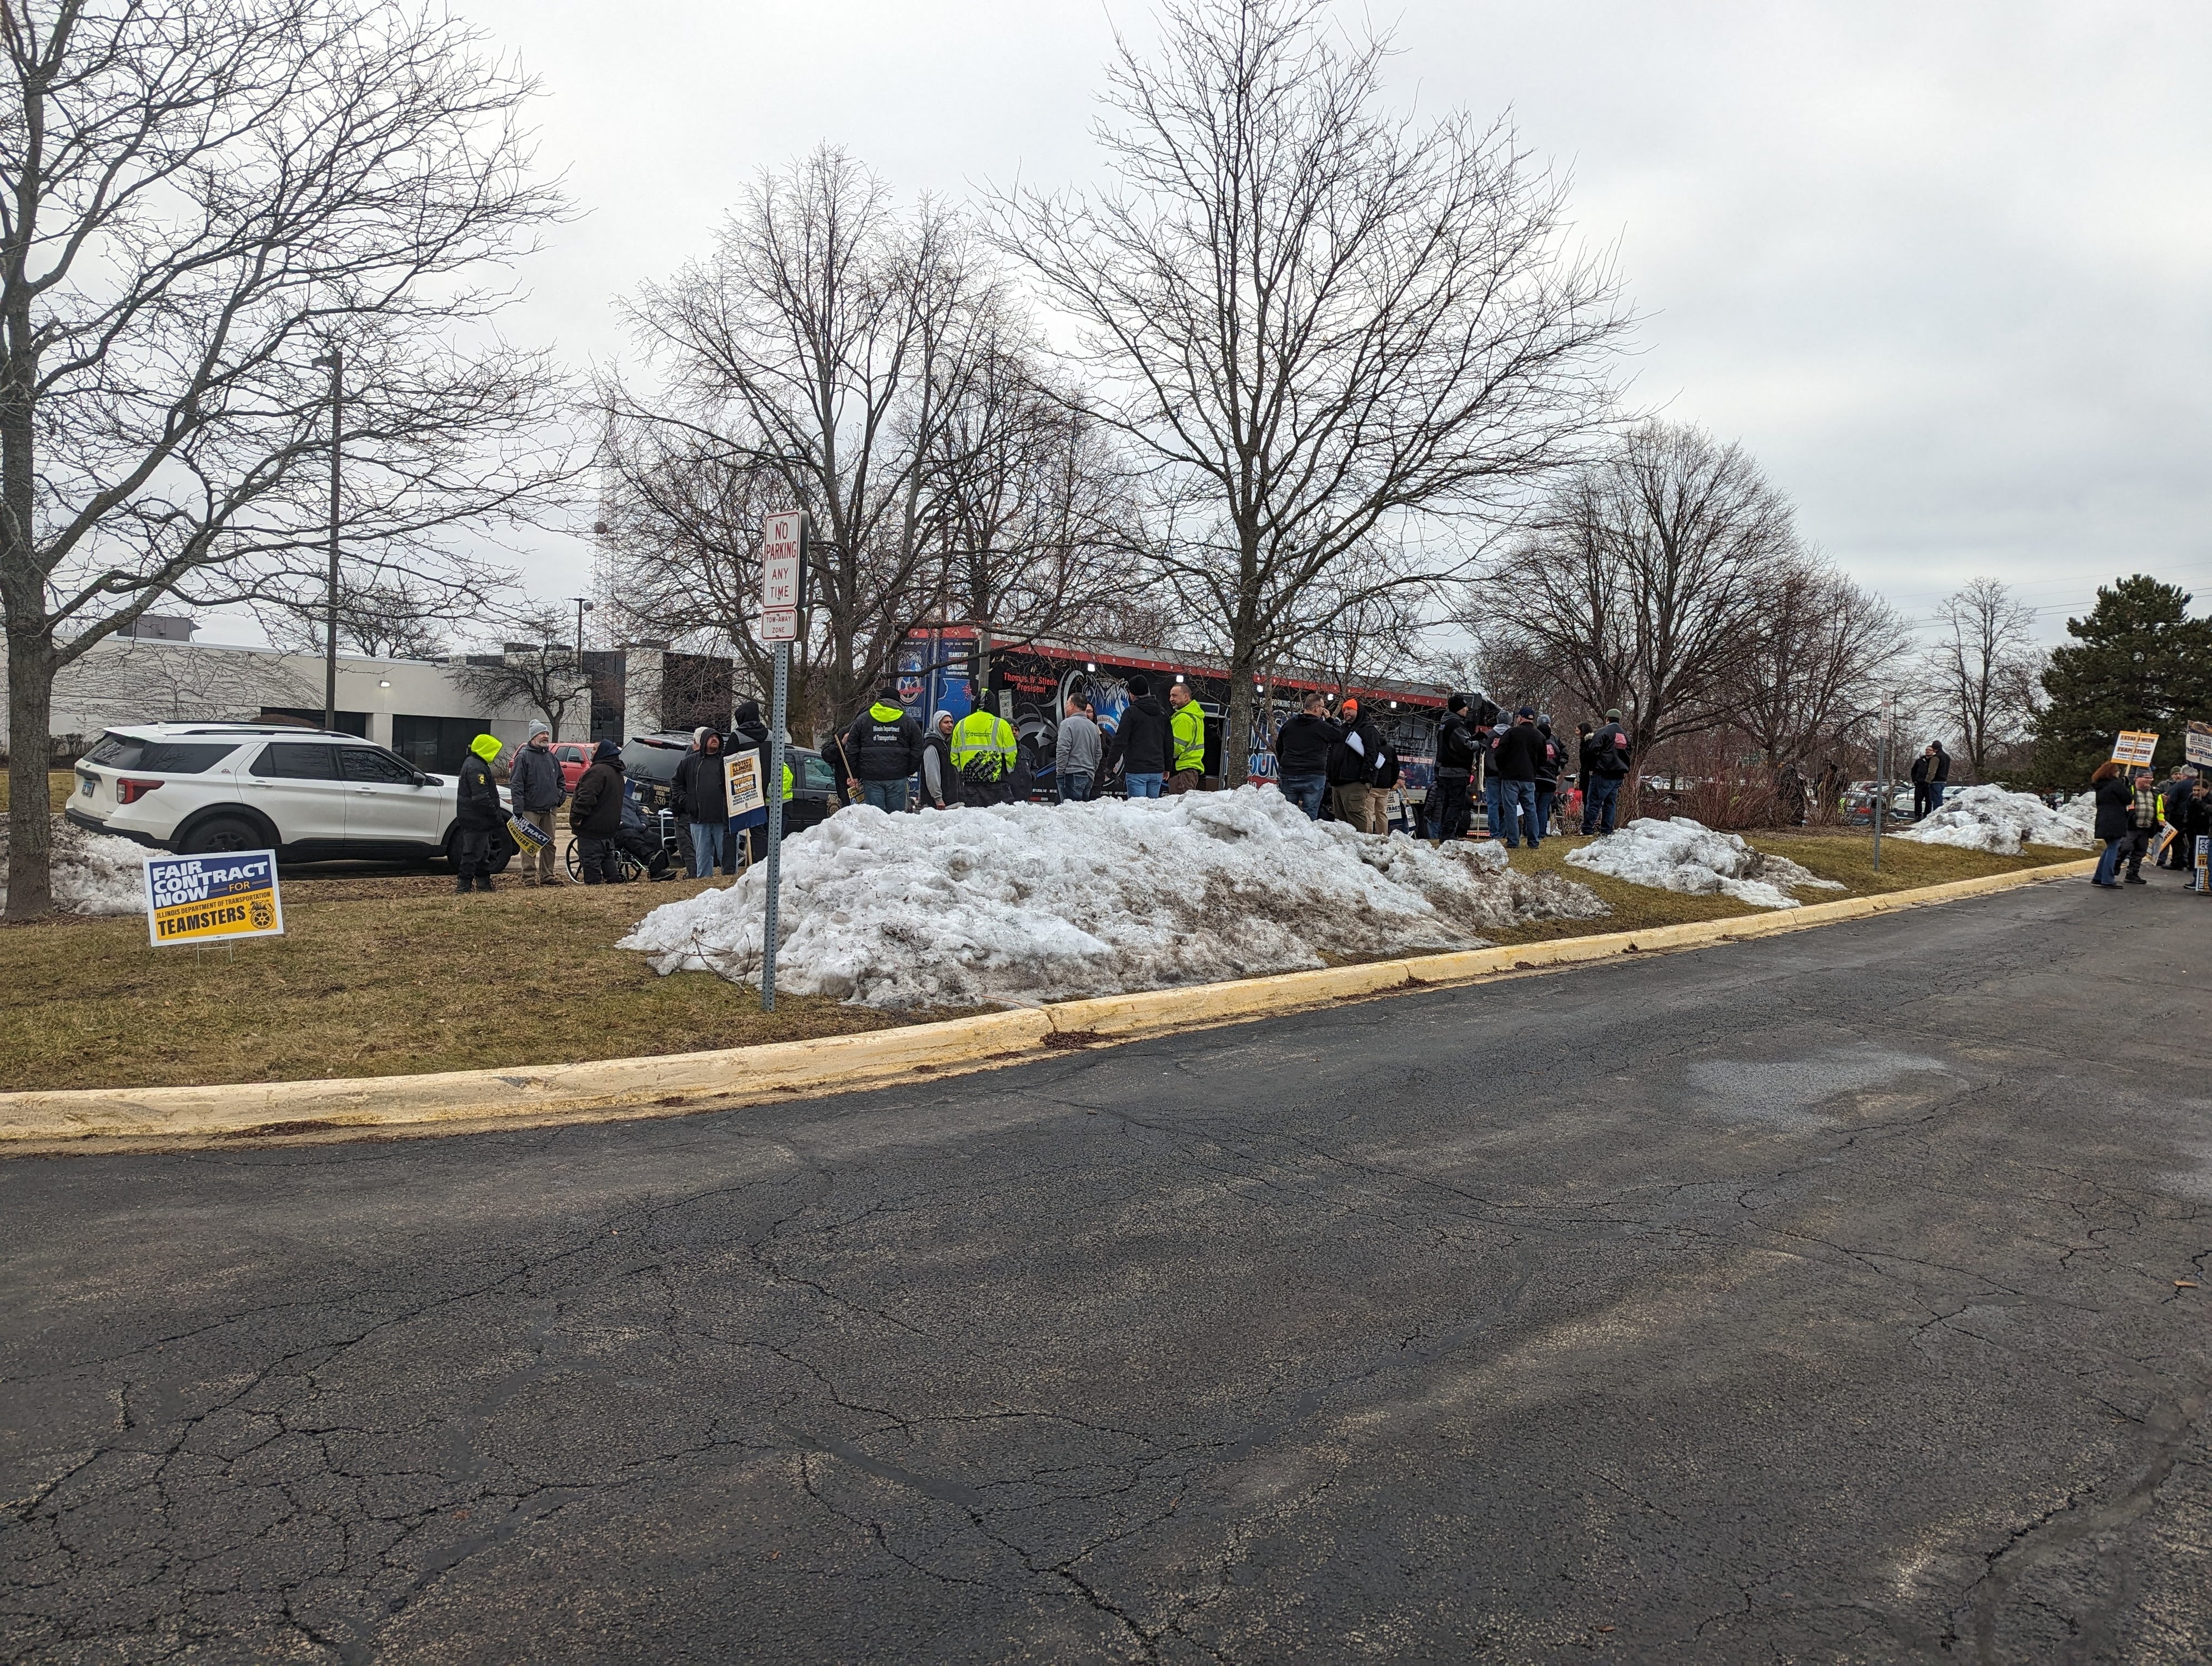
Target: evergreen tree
{"x": 2138, "y": 661}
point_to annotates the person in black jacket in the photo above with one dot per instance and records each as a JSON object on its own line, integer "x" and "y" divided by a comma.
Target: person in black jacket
{"x": 1924, "y": 783}
{"x": 1453, "y": 806}
{"x": 883, "y": 748}
{"x": 475, "y": 815}
{"x": 1520, "y": 754}
{"x": 2114, "y": 799}
{"x": 1141, "y": 747}
{"x": 940, "y": 782}
{"x": 1302, "y": 748}
{"x": 1939, "y": 773}
{"x": 1351, "y": 764}
{"x": 595, "y": 814}
{"x": 1608, "y": 767}
{"x": 700, "y": 796}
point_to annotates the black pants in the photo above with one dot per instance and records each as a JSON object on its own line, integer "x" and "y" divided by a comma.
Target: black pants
{"x": 1450, "y": 806}
{"x": 596, "y": 858}
{"x": 2137, "y": 847}
{"x": 1920, "y": 799}
{"x": 472, "y": 854}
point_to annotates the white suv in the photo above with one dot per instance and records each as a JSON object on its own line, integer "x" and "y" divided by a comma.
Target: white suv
{"x": 309, "y": 794}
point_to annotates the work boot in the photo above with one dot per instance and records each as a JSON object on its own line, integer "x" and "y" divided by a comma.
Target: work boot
{"x": 2137, "y": 879}
{"x": 483, "y": 882}
{"x": 461, "y": 885}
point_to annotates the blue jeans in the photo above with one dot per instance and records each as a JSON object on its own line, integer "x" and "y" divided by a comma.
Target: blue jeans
{"x": 1603, "y": 794}
{"x": 2108, "y": 865}
{"x": 1544, "y": 797}
{"x": 1935, "y": 795}
{"x": 1306, "y": 791}
{"x": 707, "y": 841}
{"x": 886, "y": 794}
{"x": 1495, "y": 816}
{"x": 1075, "y": 787}
{"x": 1516, "y": 799}
{"x": 1144, "y": 786}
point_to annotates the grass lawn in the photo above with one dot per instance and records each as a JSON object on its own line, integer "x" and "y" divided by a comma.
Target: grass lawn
{"x": 373, "y": 978}
{"x": 388, "y": 975}
{"x": 60, "y": 783}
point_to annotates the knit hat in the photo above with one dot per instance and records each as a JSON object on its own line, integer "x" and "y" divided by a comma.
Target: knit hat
{"x": 541, "y": 728}
{"x": 938, "y": 717}
{"x": 1140, "y": 685}
{"x": 1457, "y": 703}
{"x": 487, "y": 747}
{"x": 1349, "y": 706}
{"x": 1612, "y": 714}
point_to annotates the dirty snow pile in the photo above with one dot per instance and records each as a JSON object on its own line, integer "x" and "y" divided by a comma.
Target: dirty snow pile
{"x": 1026, "y": 902}
{"x": 1687, "y": 856}
{"x": 93, "y": 872}
{"x": 1989, "y": 818}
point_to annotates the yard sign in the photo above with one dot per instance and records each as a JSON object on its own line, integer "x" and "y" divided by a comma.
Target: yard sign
{"x": 215, "y": 898}
{"x": 742, "y": 774}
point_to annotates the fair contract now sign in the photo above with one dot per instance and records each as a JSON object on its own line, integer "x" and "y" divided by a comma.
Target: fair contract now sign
{"x": 211, "y": 899}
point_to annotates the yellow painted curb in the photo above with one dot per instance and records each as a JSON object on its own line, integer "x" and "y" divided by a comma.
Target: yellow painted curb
{"x": 613, "y": 1088}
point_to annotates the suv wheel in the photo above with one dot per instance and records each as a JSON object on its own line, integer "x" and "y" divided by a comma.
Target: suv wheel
{"x": 219, "y": 834}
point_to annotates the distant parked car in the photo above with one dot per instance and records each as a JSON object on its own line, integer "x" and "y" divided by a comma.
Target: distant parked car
{"x": 574, "y": 756}
{"x": 311, "y": 795}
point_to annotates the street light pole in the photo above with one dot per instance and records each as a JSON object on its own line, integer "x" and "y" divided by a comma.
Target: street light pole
{"x": 334, "y": 361}
{"x": 583, "y": 683}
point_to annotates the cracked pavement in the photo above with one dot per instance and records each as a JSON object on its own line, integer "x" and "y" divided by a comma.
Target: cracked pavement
{"x": 1818, "y": 1299}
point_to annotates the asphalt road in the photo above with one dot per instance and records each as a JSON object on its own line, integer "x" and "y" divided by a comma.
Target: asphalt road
{"x": 1812, "y": 1299}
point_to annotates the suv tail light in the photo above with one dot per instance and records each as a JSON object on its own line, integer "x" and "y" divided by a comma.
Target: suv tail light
{"x": 127, "y": 791}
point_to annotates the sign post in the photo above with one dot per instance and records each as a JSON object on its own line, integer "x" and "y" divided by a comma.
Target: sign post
{"x": 783, "y": 594}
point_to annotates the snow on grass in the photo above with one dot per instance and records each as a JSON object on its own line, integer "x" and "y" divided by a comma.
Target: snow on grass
{"x": 1028, "y": 903}
{"x": 1687, "y": 856}
{"x": 1991, "y": 818}
{"x": 93, "y": 872}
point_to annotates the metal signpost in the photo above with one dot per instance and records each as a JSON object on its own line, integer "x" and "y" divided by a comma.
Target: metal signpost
{"x": 1881, "y": 779}
{"x": 783, "y": 595}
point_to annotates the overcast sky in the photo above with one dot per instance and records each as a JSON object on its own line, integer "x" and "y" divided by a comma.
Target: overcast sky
{"x": 1946, "y": 269}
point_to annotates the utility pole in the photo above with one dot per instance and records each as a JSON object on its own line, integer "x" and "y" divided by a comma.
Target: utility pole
{"x": 334, "y": 361}
{"x": 1881, "y": 779}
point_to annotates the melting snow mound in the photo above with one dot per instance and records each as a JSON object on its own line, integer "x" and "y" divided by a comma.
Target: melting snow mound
{"x": 93, "y": 872}
{"x": 1028, "y": 903}
{"x": 1689, "y": 857}
{"x": 1989, "y": 818}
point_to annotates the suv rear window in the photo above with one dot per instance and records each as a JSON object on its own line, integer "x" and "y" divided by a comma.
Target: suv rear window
{"x": 644, "y": 761}
{"x": 166, "y": 757}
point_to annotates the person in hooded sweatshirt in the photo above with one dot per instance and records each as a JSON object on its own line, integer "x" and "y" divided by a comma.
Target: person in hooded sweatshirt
{"x": 1451, "y": 807}
{"x": 700, "y": 792}
{"x": 476, "y": 816}
{"x": 884, "y": 748}
{"x": 1142, "y": 742}
{"x": 940, "y": 781}
{"x": 748, "y": 733}
{"x": 1351, "y": 764}
{"x": 1549, "y": 769}
{"x": 595, "y": 814}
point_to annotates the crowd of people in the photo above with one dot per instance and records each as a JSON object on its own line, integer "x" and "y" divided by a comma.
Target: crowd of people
{"x": 2138, "y": 816}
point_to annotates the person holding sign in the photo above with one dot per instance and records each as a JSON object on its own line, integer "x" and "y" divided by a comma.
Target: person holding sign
{"x": 701, "y": 795}
{"x": 2114, "y": 798}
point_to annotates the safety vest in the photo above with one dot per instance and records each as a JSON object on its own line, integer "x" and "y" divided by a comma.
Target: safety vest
{"x": 1188, "y": 725}
{"x": 985, "y": 740}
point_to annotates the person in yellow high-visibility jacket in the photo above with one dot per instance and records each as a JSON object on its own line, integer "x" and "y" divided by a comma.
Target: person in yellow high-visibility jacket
{"x": 983, "y": 754}
{"x": 1187, "y": 737}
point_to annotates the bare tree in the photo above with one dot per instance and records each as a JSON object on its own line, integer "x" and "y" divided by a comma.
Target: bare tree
{"x": 198, "y": 199}
{"x": 1822, "y": 652}
{"x": 1646, "y": 580}
{"x": 1322, "y": 323}
{"x": 821, "y": 350}
{"x": 536, "y": 668}
{"x": 402, "y": 619}
{"x": 1984, "y": 671}
{"x": 1035, "y": 514}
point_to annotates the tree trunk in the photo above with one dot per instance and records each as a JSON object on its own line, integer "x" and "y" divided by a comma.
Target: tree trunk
{"x": 30, "y": 830}
{"x": 1236, "y": 734}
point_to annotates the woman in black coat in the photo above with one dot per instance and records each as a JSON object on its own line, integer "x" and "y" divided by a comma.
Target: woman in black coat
{"x": 2114, "y": 796}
